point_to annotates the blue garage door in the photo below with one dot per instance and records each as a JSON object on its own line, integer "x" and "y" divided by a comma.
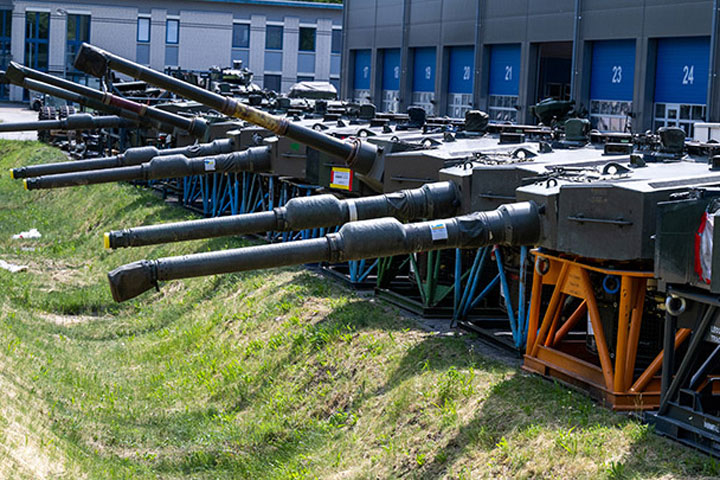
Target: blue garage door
{"x": 391, "y": 80}
{"x": 613, "y": 70}
{"x": 391, "y": 69}
{"x": 611, "y": 84}
{"x": 504, "y": 70}
{"x": 682, "y": 70}
{"x": 423, "y": 85}
{"x": 461, "y": 70}
{"x": 424, "y": 71}
{"x": 460, "y": 80}
{"x": 362, "y": 70}
{"x": 504, "y": 82}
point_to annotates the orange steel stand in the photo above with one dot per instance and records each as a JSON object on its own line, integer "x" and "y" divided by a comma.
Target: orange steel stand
{"x": 550, "y": 353}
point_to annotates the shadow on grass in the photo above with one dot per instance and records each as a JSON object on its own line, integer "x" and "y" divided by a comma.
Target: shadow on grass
{"x": 519, "y": 408}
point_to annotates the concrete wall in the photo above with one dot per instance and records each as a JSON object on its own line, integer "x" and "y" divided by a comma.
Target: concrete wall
{"x": 405, "y": 24}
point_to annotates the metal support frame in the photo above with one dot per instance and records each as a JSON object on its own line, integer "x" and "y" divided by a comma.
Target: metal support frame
{"x": 551, "y": 350}
{"x": 472, "y": 299}
{"x": 690, "y": 397}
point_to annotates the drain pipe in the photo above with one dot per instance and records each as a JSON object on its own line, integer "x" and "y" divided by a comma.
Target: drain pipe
{"x": 576, "y": 40}
{"x": 713, "y": 61}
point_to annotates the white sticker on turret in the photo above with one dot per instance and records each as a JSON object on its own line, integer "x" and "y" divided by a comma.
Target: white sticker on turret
{"x": 210, "y": 165}
{"x": 341, "y": 178}
{"x": 438, "y": 232}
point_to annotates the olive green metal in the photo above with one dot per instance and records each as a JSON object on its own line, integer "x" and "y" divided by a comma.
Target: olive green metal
{"x": 131, "y": 156}
{"x": 429, "y": 201}
{"x": 73, "y": 97}
{"x": 515, "y": 224}
{"x": 255, "y": 159}
{"x": 197, "y": 127}
{"x": 79, "y": 121}
{"x": 357, "y": 154}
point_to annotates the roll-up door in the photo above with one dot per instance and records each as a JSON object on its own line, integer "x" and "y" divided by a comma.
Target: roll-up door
{"x": 504, "y": 82}
{"x": 612, "y": 82}
{"x": 361, "y": 78}
{"x": 391, "y": 80}
{"x": 423, "y": 84}
{"x": 460, "y": 80}
{"x": 681, "y": 81}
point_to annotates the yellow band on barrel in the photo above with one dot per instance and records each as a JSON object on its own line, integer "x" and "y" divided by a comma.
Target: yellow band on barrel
{"x": 25, "y": 184}
{"x": 257, "y": 117}
{"x": 106, "y": 240}
{"x": 12, "y": 174}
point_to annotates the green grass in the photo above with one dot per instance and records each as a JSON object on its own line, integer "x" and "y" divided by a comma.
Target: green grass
{"x": 274, "y": 375}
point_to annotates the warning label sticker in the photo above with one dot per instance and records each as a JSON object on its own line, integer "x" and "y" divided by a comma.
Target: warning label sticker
{"x": 438, "y": 232}
{"x": 210, "y": 165}
{"x": 341, "y": 178}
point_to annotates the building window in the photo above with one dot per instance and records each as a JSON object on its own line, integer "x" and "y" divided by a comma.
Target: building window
{"x": 274, "y": 37}
{"x": 241, "y": 35}
{"x": 307, "y": 39}
{"x": 78, "y": 31}
{"x": 5, "y": 41}
{"x": 305, "y": 78}
{"x": 37, "y": 35}
{"x": 143, "y": 29}
{"x": 272, "y": 82}
{"x": 172, "y": 31}
{"x": 336, "y": 41}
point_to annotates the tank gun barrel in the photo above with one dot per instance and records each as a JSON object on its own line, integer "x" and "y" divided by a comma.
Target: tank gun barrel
{"x": 197, "y": 127}
{"x": 78, "y": 121}
{"x": 255, "y": 159}
{"x": 131, "y": 156}
{"x": 357, "y": 154}
{"x": 514, "y": 224}
{"x": 429, "y": 201}
{"x": 73, "y": 97}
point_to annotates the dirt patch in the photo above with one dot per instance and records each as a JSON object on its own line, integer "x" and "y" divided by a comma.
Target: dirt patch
{"x": 66, "y": 320}
{"x": 59, "y": 272}
{"x": 25, "y": 444}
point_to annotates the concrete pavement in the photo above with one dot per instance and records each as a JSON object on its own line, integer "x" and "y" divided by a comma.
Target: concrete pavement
{"x": 17, "y": 112}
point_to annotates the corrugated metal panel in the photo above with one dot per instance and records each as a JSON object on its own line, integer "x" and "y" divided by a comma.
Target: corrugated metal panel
{"x": 460, "y": 78}
{"x": 362, "y": 70}
{"x": 391, "y": 69}
{"x": 682, "y": 70}
{"x": 613, "y": 70}
{"x": 504, "y": 69}
{"x": 424, "y": 71}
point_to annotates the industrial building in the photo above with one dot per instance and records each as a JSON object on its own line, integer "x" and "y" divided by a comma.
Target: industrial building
{"x": 282, "y": 41}
{"x": 650, "y": 63}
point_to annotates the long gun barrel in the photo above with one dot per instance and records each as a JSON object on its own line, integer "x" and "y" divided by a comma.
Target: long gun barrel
{"x": 78, "y": 121}
{"x": 514, "y": 224}
{"x": 429, "y": 201}
{"x": 255, "y": 159}
{"x": 197, "y": 127}
{"x": 73, "y": 97}
{"x": 358, "y": 155}
{"x": 131, "y": 156}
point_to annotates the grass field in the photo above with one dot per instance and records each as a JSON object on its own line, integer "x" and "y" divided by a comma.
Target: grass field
{"x": 269, "y": 375}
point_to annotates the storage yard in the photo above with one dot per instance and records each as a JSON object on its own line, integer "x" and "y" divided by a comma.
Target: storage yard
{"x": 477, "y": 241}
{"x": 277, "y": 374}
